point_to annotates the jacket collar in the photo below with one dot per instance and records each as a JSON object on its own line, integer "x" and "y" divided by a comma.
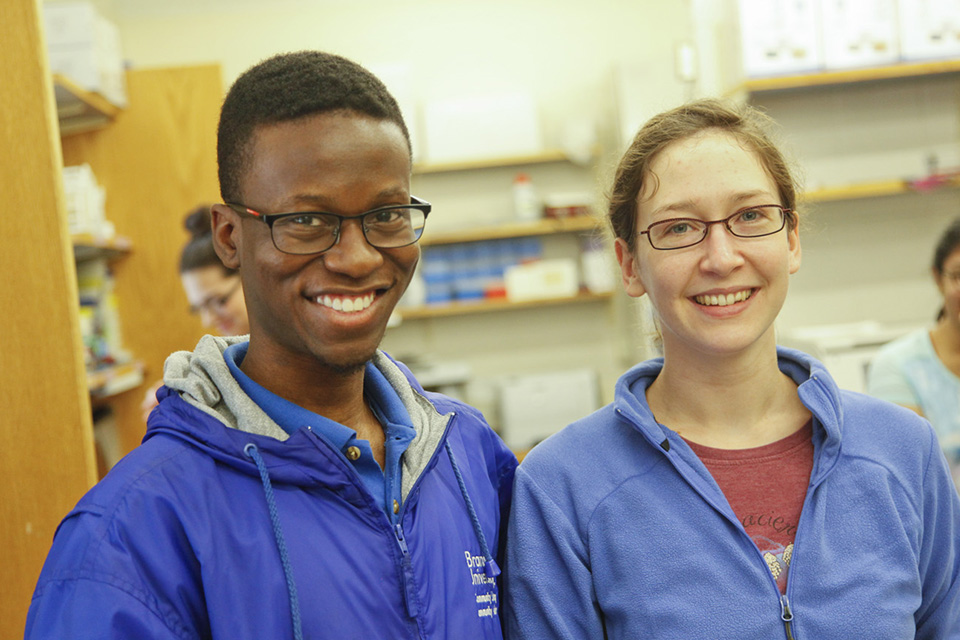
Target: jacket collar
{"x": 816, "y": 388}
{"x": 200, "y": 397}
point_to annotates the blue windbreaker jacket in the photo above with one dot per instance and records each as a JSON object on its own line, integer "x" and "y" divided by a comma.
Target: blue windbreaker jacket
{"x": 178, "y": 540}
{"x": 618, "y": 531}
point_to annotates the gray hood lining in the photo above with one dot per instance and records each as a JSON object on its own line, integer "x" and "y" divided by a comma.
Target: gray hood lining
{"x": 203, "y": 380}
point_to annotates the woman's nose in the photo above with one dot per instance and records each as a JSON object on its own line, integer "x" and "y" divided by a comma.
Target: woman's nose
{"x": 207, "y": 317}
{"x": 721, "y": 250}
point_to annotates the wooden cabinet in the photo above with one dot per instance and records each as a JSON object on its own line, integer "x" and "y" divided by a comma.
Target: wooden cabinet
{"x": 119, "y": 371}
{"x": 156, "y": 160}
{"x": 45, "y": 410}
{"x": 79, "y": 110}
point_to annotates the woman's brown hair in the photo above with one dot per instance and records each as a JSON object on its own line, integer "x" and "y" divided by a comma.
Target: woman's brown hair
{"x": 746, "y": 123}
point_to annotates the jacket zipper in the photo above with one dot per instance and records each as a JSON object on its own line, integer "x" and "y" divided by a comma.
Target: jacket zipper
{"x": 787, "y": 616}
{"x": 406, "y": 568}
{"x": 786, "y": 613}
{"x": 817, "y": 476}
{"x": 406, "y": 565}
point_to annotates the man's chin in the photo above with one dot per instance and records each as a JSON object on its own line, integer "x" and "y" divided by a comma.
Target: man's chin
{"x": 345, "y": 369}
{"x": 350, "y": 364}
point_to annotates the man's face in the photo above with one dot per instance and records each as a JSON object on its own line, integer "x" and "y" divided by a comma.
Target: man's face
{"x": 342, "y": 163}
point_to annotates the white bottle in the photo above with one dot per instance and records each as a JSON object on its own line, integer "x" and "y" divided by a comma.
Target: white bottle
{"x": 526, "y": 201}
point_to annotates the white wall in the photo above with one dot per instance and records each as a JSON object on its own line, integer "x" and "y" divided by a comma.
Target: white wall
{"x": 564, "y": 51}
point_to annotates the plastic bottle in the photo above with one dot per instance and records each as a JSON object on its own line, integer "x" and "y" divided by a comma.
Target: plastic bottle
{"x": 526, "y": 201}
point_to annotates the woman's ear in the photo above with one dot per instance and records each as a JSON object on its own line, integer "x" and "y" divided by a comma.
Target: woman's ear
{"x": 629, "y": 272}
{"x": 793, "y": 243}
{"x": 227, "y": 234}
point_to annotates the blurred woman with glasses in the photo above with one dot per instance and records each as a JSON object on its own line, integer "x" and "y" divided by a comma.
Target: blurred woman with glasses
{"x": 213, "y": 291}
{"x": 921, "y": 370}
{"x": 731, "y": 490}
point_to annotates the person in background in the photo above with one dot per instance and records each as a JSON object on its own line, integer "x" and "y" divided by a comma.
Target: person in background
{"x": 921, "y": 370}
{"x": 214, "y": 292}
{"x": 296, "y": 483}
{"x": 731, "y": 490}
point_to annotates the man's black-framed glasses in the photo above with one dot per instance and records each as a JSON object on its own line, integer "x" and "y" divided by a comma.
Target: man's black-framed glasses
{"x": 309, "y": 232}
{"x": 749, "y": 222}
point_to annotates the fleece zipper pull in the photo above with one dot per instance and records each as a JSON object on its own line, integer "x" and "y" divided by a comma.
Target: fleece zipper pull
{"x": 787, "y": 616}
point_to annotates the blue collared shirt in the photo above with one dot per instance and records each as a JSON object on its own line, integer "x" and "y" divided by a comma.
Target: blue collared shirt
{"x": 398, "y": 429}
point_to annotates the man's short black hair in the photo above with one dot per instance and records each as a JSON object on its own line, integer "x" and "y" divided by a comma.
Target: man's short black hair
{"x": 287, "y": 87}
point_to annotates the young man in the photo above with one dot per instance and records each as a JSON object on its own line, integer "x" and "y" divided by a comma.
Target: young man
{"x": 299, "y": 483}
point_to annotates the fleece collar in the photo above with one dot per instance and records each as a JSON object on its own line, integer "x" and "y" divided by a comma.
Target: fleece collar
{"x": 816, "y": 388}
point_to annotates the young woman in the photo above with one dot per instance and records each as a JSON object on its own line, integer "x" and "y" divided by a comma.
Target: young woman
{"x": 213, "y": 291}
{"x": 731, "y": 490}
{"x": 921, "y": 370}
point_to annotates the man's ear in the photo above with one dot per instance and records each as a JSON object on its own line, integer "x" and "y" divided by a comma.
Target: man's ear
{"x": 628, "y": 269}
{"x": 227, "y": 234}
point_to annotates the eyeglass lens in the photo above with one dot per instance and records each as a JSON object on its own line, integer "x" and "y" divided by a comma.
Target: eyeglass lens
{"x": 216, "y": 303}
{"x": 686, "y": 232}
{"x": 316, "y": 232}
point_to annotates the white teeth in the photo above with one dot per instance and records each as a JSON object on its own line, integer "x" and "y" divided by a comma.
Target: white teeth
{"x": 346, "y": 305}
{"x": 724, "y": 300}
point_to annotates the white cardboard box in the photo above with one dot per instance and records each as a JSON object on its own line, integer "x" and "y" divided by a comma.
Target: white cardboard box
{"x": 859, "y": 33}
{"x": 85, "y": 47}
{"x": 69, "y": 23}
{"x": 542, "y": 279}
{"x": 779, "y": 37}
{"x": 533, "y": 407}
{"x": 481, "y": 127}
{"x": 78, "y": 62}
{"x": 929, "y": 29}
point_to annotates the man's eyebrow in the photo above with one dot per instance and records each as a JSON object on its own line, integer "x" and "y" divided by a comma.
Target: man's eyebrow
{"x": 325, "y": 203}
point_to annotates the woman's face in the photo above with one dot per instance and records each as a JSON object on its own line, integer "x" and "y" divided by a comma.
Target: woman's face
{"x": 217, "y": 298}
{"x": 719, "y": 297}
{"x": 949, "y": 284}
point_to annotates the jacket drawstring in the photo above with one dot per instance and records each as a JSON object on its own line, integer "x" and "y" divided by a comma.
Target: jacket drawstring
{"x": 252, "y": 452}
{"x": 491, "y": 569}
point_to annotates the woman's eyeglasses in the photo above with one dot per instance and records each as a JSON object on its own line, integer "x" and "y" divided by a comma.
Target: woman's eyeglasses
{"x": 216, "y": 303}
{"x": 751, "y": 222}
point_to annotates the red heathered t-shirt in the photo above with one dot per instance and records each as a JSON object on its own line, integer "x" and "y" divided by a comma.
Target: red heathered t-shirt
{"x": 766, "y": 486}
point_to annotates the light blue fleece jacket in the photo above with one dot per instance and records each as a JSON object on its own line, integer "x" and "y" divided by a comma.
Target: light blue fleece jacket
{"x": 618, "y": 530}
